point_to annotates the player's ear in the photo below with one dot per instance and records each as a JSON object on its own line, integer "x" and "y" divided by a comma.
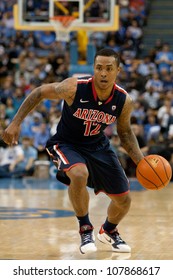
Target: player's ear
{"x": 119, "y": 68}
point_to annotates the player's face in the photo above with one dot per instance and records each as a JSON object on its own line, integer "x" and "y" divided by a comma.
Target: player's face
{"x": 105, "y": 71}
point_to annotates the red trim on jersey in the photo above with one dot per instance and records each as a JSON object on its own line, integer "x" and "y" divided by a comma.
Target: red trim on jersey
{"x": 120, "y": 89}
{"x": 84, "y": 81}
{"x": 94, "y": 91}
{"x": 111, "y": 96}
{"x": 60, "y": 154}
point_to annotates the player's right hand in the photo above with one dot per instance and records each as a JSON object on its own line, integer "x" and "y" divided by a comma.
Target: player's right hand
{"x": 11, "y": 134}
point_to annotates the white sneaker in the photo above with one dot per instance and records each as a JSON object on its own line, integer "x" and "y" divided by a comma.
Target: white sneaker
{"x": 113, "y": 239}
{"x": 87, "y": 240}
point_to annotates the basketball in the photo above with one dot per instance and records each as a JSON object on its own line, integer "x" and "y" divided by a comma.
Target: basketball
{"x": 154, "y": 172}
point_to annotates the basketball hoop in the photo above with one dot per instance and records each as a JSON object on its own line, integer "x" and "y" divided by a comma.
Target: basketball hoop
{"x": 62, "y": 26}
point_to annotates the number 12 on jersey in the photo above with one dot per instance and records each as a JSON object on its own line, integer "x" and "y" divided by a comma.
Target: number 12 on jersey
{"x": 89, "y": 130}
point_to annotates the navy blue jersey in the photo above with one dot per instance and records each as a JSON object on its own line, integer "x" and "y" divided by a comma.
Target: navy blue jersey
{"x": 80, "y": 139}
{"x": 83, "y": 122}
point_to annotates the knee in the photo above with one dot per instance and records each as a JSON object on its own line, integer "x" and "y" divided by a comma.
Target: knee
{"x": 127, "y": 201}
{"x": 78, "y": 174}
{"x": 123, "y": 202}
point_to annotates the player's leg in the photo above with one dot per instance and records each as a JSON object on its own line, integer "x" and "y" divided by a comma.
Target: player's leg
{"x": 73, "y": 172}
{"x": 77, "y": 189}
{"x": 107, "y": 175}
{"x": 118, "y": 208}
{"x": 79, "y": 197}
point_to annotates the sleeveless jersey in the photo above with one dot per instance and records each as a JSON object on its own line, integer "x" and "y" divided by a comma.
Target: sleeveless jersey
{"x": 83, "y": 122}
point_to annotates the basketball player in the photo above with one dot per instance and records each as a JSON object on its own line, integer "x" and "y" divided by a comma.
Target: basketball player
{"x": 82, "y": 151}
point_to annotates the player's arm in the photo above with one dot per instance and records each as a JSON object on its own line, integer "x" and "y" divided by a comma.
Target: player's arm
{"x": 126, "y": 134}
{"x": 56, "y": 91}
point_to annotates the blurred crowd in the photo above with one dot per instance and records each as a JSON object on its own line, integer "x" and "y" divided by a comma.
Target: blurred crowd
{"x": 31, "y": 58}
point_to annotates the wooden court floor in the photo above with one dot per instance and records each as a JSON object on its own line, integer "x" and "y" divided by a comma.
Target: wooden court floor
{"x": 37, "y": 223}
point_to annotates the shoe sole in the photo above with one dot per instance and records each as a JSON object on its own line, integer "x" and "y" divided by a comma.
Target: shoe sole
{"x": 88, "y": 248}
{"x": 123, "y": 248}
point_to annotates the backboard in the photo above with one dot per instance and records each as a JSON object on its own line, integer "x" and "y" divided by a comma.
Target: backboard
{"x": 94, "y": 15}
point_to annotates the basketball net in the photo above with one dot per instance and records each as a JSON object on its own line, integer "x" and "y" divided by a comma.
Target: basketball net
{"x": 62, "y": 26}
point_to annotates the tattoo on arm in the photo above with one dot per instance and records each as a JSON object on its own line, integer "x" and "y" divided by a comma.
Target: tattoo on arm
{"x": 130, "y": 144}
{"x": 66, "y": 90}
{"x": 29, "y": 103}
{"x": 127, "y": 137}
{"x": 60, "y": 89}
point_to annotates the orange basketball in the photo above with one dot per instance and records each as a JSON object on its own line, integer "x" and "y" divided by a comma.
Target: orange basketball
{"x": 154, "y": 172}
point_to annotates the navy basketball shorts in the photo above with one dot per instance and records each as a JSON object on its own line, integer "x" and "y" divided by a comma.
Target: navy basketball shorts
{"x": 105, "y": 171}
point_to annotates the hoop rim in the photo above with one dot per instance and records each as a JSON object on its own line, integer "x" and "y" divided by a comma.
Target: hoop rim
{"x": 60, "y": 18}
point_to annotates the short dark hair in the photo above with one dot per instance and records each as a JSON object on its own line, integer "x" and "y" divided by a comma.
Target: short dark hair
{"x": 108, "y": 52}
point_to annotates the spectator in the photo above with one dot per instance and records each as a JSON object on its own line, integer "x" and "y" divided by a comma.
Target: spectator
{"x": 31, "y": 61}
{"x": 164, "y": 59}
{"x": 124, "y": 12}
{"x": 40, "y": 139}
{"x": 13, "y": 53}
{"x": 167, "y": 82}
{"x": 10, "y": 157}
{"x": 35, "y": 123}
{"x": 155, "y": 49}
{"x": 155, "y": 83}
{"x": 151, "y": 97}
{"x": 37, "y": 77}
{"x": 170, "y": 128}
{"x": 117, "y": 36}
{"x": 61, "y": 72}
{"x": 146, "y": 67}
{"x": 6, "y": 90}
{"x": 22, "y": 72}
{"x": 26, "y": 127}
{"x": 151, "y": 129}
{"x": 139, "y": 111}
{"x": 137, "y": 82}
{"x": 139, "y": 11}
{"x": 9, "y": 109}
{"x": 18, "y": 97}
{"x": 45, "y": 40}
{"x": 26, "y": 167}
{"x": 19, "y": 39}
{"x": 135, "y": 33}
{"x": 164, "y": 114}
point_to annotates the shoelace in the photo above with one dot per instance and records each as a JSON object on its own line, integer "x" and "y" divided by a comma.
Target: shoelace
{"x": 115, "y": 234}
{"x": 86, "y": 237}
